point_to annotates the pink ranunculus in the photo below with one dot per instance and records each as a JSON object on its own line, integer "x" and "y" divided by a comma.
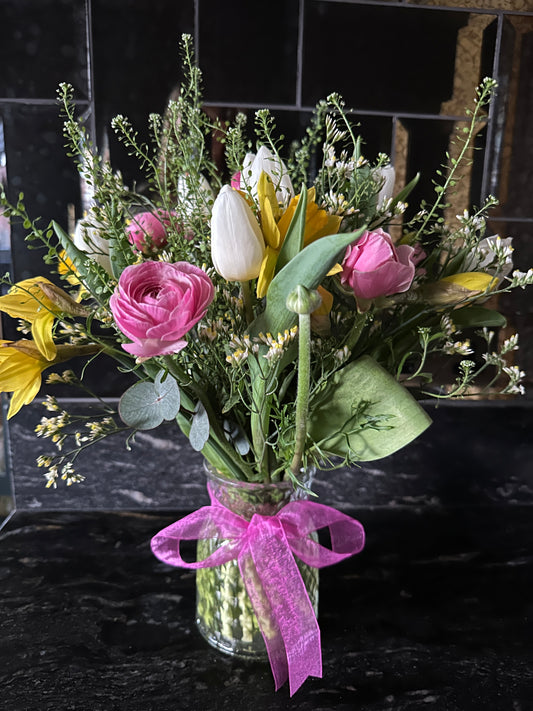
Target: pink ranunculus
{"x": 374, "y": 266}
{"x": 157, "y": 303}
{"x": 147, "y": 231}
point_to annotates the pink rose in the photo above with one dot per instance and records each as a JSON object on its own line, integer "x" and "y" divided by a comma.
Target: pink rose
{"x": 147, "y": 231}
{"x": 374, "y": 266}
{"x": 157, "y": 303}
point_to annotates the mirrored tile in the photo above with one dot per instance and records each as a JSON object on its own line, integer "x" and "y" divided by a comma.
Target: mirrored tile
{"x": 43, "y": 43}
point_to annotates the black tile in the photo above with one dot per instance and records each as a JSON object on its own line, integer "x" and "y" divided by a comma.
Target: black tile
{"x": 248, "y": 50}
{"x": 43, "y": 43}
{"x": 380, "y": 58}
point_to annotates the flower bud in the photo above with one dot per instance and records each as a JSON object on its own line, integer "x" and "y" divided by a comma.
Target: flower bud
{"x": 302, "y": 300}
{"x": 237, "y": 244}
{"x": 386, "y": 176}
{"x": 62, "y": 300}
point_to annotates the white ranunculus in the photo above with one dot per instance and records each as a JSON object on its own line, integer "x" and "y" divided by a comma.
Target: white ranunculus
{"x": 89, "y": 237}
{"x": 265, "y": 161}
{"x": 385, "y": 175}
{"x": 237, "y": 244}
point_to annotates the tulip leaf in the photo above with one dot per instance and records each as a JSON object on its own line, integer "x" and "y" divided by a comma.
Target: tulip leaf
{"x": 365, "y": 414}
{"x": 145, "y": 405}
{"x": 199, "y": 432}
{"x": 294, "y": 239}
{"x": 75, "y": 254}
{"x": 477, "y": 317}
{"x": 307, "y": 268}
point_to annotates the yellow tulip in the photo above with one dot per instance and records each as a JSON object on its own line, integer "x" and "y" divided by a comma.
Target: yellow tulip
{"x": 26, "y": 300}
{"x": 275, "y": 224}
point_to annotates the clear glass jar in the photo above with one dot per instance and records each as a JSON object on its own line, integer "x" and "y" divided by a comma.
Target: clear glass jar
{"x": 224, "y": 613}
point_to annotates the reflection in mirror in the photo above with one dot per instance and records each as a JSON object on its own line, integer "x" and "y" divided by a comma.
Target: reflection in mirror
{"x": 7, "y": 498}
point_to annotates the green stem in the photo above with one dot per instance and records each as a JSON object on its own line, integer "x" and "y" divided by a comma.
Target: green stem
{"x": 302, "y": 395}
{"x": 356, "y": 330}
{"x": 247, "y": 300}
{"x": 217, "y": 436}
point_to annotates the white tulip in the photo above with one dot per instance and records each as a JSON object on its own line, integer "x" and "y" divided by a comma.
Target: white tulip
{"x": 89, "y": 237}
{"x": 237, "y": 244}
{"x": 265, "y": 161}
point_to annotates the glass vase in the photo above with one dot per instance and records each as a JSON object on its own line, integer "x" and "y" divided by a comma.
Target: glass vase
{"x": 224, "y": 613}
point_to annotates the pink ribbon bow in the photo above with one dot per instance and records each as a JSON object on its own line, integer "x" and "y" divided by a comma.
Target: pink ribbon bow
{"x": 264, "y": 548}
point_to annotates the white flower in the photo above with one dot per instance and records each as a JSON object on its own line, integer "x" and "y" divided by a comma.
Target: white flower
{"x": 386, "y": 176}
{"x": 193, "y": 201}
{"x": 492, "y": 255}
{"x": 89, "y": 237}
{"x": 237, "y": 244}
{"x": 265, "y": 161}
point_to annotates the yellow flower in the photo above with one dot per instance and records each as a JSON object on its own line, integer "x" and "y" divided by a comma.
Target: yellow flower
{"x": 275, "y": 224}
{"x": 27, "y": 301}
{"x": 67, "y": 268}
{"x": 21, "y": 367}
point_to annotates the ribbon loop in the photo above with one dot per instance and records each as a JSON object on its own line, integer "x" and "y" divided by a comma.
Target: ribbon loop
{"x": 264, "y": 548}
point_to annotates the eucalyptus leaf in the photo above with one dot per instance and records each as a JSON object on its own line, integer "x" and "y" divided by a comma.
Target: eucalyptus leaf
{"x": 477, "y": 317}
{"x": 199, "y": 432}
{"x": 146, "y": 405}
{"x": 393, "y": 416}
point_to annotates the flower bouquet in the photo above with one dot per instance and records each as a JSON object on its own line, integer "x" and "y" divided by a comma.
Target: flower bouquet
{"x": 288, "y": 318}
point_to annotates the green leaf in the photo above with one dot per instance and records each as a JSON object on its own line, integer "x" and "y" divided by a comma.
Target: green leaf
{"x": 199, "y": 432}
{"x": 307, "y": 268}
{"x": 294, "y": 239}
{"x": 403, "y": 194}
{"x": 477, "y": 317}
{"x": 145, "y": 405}
{"x": 364, "y": 387}
{"x": 79, "y": 258}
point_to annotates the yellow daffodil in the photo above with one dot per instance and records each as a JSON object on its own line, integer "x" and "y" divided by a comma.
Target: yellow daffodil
{"x": 21, "y": 367}
{"x": 27, "y": 301}
{"x": 275, "y": 223}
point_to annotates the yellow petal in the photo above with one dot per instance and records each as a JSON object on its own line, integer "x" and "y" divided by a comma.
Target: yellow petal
{"x": 41, "y": 330}
{"x": 26, "y": 300}
{"x": 268, "y": 226}
{"x": 334, "y": 270}
{"x": 268, "y": 267}
{"x": 327, "y": 302}
{"x": 24, "y": 395}
{"x": 473, "y": 281}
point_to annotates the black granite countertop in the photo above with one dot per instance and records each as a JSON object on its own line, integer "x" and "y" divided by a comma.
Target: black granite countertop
{"x": 435, "y": 613}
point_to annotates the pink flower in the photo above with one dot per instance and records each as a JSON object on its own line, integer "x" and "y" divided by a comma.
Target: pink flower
{"x": 236, "y": 180}
{"x": 147, "y": 231}
{"x": 157, "y": 303}
{"x": 374, "y": 266}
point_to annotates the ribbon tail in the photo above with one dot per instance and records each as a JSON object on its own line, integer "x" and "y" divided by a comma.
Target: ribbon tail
{"x": 283, "y": 609}
{"x": 275, "y": 647}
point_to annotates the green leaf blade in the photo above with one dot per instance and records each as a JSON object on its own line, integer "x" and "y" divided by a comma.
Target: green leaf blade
{"x": 363, "y": 385}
